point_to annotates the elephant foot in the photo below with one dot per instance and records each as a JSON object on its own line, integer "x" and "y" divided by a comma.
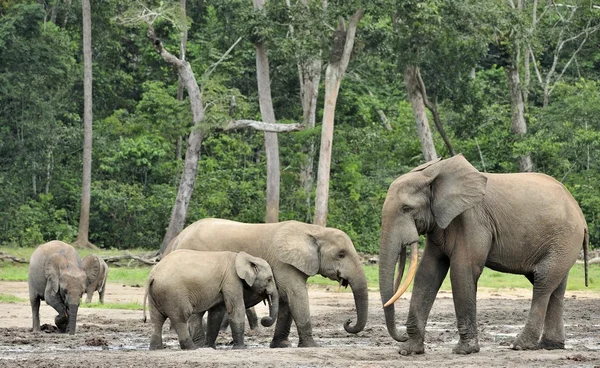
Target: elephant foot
{"x": 187, "y": 344}
{"x": 466, "y": 347}
{"x": 411, "y": 348}
{"x": 155, "y": 343}
{"x": 307, "y": 343}
{"x": 239, "y": 347}
{"x": 280, "y": 344}
{"x": 524, "y": 344}
{"x": 551, "y": 345}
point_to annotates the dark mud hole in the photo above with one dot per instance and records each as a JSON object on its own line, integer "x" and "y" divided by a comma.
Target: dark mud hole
{"x": 101, "y": 342}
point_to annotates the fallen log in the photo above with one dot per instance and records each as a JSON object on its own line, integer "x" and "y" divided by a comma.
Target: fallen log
{"x": 150, "y": 259}
{"x": 7, "y": 257}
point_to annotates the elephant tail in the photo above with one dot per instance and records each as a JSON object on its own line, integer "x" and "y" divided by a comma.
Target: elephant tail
{"x": 150, "y": 282}
{"x": 586, "y": 244}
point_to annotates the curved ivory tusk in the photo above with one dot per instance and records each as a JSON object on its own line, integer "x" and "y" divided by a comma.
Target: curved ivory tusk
{"x": 412, "y": 270}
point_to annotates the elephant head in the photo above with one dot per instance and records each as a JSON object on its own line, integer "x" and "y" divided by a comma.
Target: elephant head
{"x": 258, "y": 275}
{"x": 429, "y": 196}
{"x": 329, "y": 252}
{"x": 65, "y": 284}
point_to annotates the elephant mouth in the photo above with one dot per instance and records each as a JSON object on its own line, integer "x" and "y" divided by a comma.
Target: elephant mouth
{"x": 268, "y": 300}
{"x": 343, "y": 282}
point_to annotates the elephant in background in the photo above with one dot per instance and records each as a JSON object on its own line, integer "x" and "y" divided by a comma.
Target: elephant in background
{"x": 56, "y": 275}
{"x": 525, "y": 223}
{"x": 187, "y": 283}
{"x": 295, "y": 251}
{"x": 96, "y": 270}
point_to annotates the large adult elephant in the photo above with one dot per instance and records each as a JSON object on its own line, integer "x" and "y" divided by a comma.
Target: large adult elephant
{"x": 524, "y": 223}
{"x": 295, "y": 251}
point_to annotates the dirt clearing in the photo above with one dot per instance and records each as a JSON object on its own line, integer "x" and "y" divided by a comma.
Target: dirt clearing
{"x": 119, "y": 338}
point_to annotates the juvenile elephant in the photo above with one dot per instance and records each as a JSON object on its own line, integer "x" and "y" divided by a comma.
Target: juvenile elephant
{"x": 56, "y": 275}
{"x": 97, "y": 272}
{"x": 295, "y": 251}
{"x": 526, "y": 224}
{"x": 187, "y": 282}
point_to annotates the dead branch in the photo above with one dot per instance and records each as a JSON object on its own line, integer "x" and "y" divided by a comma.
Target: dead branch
{"x": 261, "y": 125}
{"x": 148, "y": 259}
{"x": 7, "y": 257}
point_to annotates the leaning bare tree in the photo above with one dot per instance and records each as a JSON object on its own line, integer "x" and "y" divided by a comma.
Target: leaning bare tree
{"x": 341, "y": 50}
{"x": 82, "y": 240}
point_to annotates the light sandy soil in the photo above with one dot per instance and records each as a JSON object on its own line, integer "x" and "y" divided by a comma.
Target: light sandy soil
{"x": 119, "y": 338}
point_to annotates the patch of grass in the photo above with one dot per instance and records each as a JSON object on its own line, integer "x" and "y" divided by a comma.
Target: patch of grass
{"x": 130, "y": 276}
{"x": 13, "y": 271}
{"x": 9, "y": 298}
{"x": 96, "y": 305}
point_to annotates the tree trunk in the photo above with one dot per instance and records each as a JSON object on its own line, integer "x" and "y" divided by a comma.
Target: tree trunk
{"x": 411, "y": 79}
{"x": 341, "y": 50}
{"x": 180, "y": 86}
{"x": 268, "y": 116}
{"x": 192, "y": 154}
{"x": 82, "y": 240}
{"x": 518, "y": 123}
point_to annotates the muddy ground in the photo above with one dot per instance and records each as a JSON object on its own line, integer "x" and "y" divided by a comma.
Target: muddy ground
{"x": 119, "y": 338}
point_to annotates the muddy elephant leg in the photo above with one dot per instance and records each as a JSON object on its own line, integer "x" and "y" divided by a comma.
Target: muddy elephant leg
{"x": 158, "y": 320}
{"x": 430, "y": 274}
{"x": 196, "y": 329}
{"x": 216, "y": 316}
{"x": 101, "y": 294}
{"x": 35, "y": 312}
{"x": 282, "y": 326}
{"x": 464, "y": 276}
{"x": 300, "y": 311}
{"x": 252, "y": 318}
{"x": 543, "y": 288}
{"x": 553, "y": 336}
{"x": 183, "y": 335}
{"x": 237, "y": 320}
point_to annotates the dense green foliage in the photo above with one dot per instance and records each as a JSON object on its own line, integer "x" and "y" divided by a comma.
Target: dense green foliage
{"x": 460, "y": 47}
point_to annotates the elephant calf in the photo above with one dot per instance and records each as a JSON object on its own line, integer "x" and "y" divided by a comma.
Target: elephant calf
{"x": 187, "y": 283}
{"x": 56, "y": 275}
{"x": 97, "y": 272}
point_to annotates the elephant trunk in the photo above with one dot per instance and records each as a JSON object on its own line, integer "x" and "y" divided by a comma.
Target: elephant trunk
{"x": 388, "y": 256}
{"x": 361, "y": 300}
{"x": 273, "y": 300}
{"x": 73, "y": 308}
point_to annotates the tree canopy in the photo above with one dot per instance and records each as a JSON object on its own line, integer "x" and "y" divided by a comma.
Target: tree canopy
{"x": 461, "y": 49}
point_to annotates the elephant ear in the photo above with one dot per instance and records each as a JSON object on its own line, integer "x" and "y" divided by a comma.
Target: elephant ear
{"x": 426, "y": 165}
{"x": 246, "y": 267}
{"x": 52, "y": 273}
{"x": 296, "y": 246}
{"x": 456, "y": 186}
{"x": 91, "y": 265}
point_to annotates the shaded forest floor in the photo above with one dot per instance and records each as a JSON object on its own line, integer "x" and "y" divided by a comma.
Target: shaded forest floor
{"x": 119, "y": 338}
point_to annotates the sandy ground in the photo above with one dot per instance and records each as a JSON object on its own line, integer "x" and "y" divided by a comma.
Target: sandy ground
{"x": 119, "y": 338}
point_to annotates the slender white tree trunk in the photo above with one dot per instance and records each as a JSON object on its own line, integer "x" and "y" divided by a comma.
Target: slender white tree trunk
{"x": 82, "y": 240}
{"x": 343, "y": 43}
{"x": 411, "y": 79}
{"x": 192, "y": 154}
{"x": 268, "y": 116}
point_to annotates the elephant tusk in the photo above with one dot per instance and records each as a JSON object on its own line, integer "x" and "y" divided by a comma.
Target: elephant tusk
{"x": 339, "y": 287}
{"x": 412, "y": 270}
{"x": 265, "y": 301}
{"x": 269, "y": 301}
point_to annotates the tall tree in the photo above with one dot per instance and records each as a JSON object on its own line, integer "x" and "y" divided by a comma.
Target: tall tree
{"x": 339, "y": 57}
{"x": 417, "y": 101}
{"x": 82, "y": 240}
{"x": 268, "y": 116}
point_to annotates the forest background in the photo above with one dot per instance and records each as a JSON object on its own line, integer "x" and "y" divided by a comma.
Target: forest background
{"x": 513, "y": 84}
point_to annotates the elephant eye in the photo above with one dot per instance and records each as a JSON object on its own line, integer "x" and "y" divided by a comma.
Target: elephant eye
{"x": 342, "y": 254}
{"x": 406, "y": 209}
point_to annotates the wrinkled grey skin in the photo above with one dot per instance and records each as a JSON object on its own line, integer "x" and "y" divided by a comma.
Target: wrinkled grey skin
{"x": 526, "y": 224}
{"x": 295, "y": 251}
{"x": 97, "y": 272}
{"x": 56, "y": 275}
{"x": 186, "y": 283}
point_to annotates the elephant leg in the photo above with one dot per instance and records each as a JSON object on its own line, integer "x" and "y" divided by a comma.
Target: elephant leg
{"x": 35, "y": 312}
{"x": 553, "y": 336}
{"x": 158, "y": 320}
{"x": 464, "y": 279}
{"x": 196, "y": 329}
{"x": 224, "y": 323}
{"x": 101, "y": 294}
{"x": 299, "y": 308}
{"x": 237, "y": 320}
{"x": 429, "y": 277}
{"x": 252, "y": 318}
{"x": 216, "y": 316}
{"x": 183, "y": 335}
{"x": 282, "y": 326}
